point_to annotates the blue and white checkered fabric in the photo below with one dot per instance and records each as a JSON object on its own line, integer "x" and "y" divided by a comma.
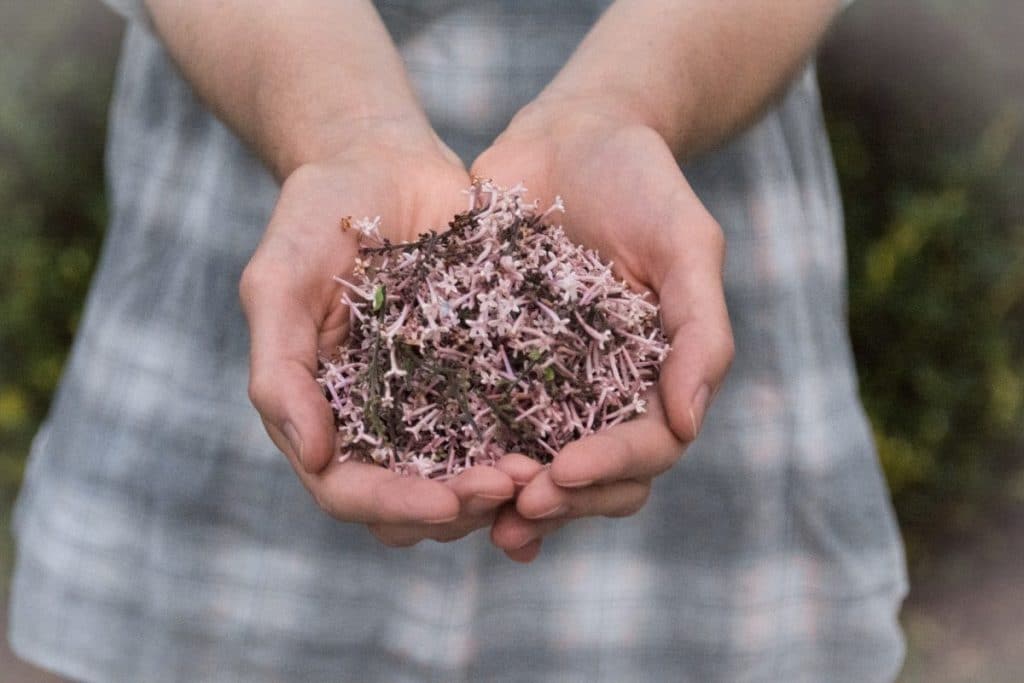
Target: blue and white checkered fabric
{"x": 162, "y": 537}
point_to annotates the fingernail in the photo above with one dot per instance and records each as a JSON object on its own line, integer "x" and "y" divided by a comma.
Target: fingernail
{"x": 525, "y": 543}
{"x": 442, "y": 520}
{"x": 580, "y": 483}
{"x": 294, "y": 440}
{"x": 698, "y": 408}
{"x": 479, "y": 504}
{"x": 554, "y": 512}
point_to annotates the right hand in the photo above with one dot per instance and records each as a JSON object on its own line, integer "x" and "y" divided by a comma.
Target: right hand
{"x": 628, "y": 200}
{"x": 293, "y": 307}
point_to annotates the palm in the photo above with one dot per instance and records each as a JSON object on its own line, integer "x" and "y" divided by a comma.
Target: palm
{"x": 306, "y": 232}
{"x": 294, "y": 310}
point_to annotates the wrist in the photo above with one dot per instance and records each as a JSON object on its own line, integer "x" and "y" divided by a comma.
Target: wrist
{"x": 567, "y": 114}
{"x": 550, "y": 140}
{"x": 357, "y": 132}
{"x": 564, "y": 112}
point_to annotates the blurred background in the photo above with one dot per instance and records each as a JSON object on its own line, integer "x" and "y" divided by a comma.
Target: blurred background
{"x": 925, "y": 106}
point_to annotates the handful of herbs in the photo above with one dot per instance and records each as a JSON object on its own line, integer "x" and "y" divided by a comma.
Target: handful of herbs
{"x": 497, "y": 335}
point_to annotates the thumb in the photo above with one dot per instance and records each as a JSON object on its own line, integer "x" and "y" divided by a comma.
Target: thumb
{"x": 696, "y": 320}
{"x": 282, "y": 370}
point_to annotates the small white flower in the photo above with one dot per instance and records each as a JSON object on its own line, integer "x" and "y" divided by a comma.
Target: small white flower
{"x": 570, "y": 286}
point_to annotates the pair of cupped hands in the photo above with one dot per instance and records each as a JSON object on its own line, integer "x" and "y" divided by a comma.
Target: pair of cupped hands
{"x": 625, "y": 196}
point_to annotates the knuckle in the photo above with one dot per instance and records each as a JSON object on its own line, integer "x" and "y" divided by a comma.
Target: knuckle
{"x": 265, "y": 273}
{"x": 728, "y": 347}
{"x": 720, "y": 345}
{"x": 706, "y": 232}
{"x": 260, "y": 389}
{"x": 251, "y": 281}
{"x": 713, "y": 236}
{"x": 716, "y": 237}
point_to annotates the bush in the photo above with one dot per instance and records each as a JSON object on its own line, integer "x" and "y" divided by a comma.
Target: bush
{"x": 56, "y": 72}
{"x": 926, "y": 111}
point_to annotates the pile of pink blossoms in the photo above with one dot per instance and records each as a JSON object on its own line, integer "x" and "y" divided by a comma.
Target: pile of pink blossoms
{"x": 498, "y": 335}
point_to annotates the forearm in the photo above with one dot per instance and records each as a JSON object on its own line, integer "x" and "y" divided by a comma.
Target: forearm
{"x": 296, "y": 79}
{"x": 694, "y": 70}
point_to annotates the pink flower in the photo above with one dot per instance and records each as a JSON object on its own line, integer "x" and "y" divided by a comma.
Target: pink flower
{"x": 498, "y": 335}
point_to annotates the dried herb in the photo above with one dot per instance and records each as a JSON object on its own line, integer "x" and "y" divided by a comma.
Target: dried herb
{"x": 497, "y": 335}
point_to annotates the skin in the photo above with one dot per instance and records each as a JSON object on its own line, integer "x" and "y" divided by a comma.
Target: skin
{"x": 358, "y": 145}
{"x": 319, "y": 91}
{"x": 654, "y": 82}
{"x": 634, "y": 206}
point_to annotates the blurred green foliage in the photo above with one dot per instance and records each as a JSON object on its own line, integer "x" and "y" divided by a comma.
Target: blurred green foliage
{"x": 926, "y": 111}
{"x": 925, "y": 104}
{"x": 55, "y": 79}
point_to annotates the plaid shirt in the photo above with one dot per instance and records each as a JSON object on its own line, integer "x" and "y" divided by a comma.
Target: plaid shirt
{"x": 162, "y": 537}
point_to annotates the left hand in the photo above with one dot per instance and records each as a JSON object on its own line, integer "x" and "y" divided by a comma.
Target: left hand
{"x": 294, "y": 308}
{"x": 626, "y": 197}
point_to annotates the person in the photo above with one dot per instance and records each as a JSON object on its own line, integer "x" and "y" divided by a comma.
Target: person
{"x": 161, "y": 535}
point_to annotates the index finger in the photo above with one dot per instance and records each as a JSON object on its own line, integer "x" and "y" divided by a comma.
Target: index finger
{"x": 639, "y": 449}
{"x": 362, "y": 492}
